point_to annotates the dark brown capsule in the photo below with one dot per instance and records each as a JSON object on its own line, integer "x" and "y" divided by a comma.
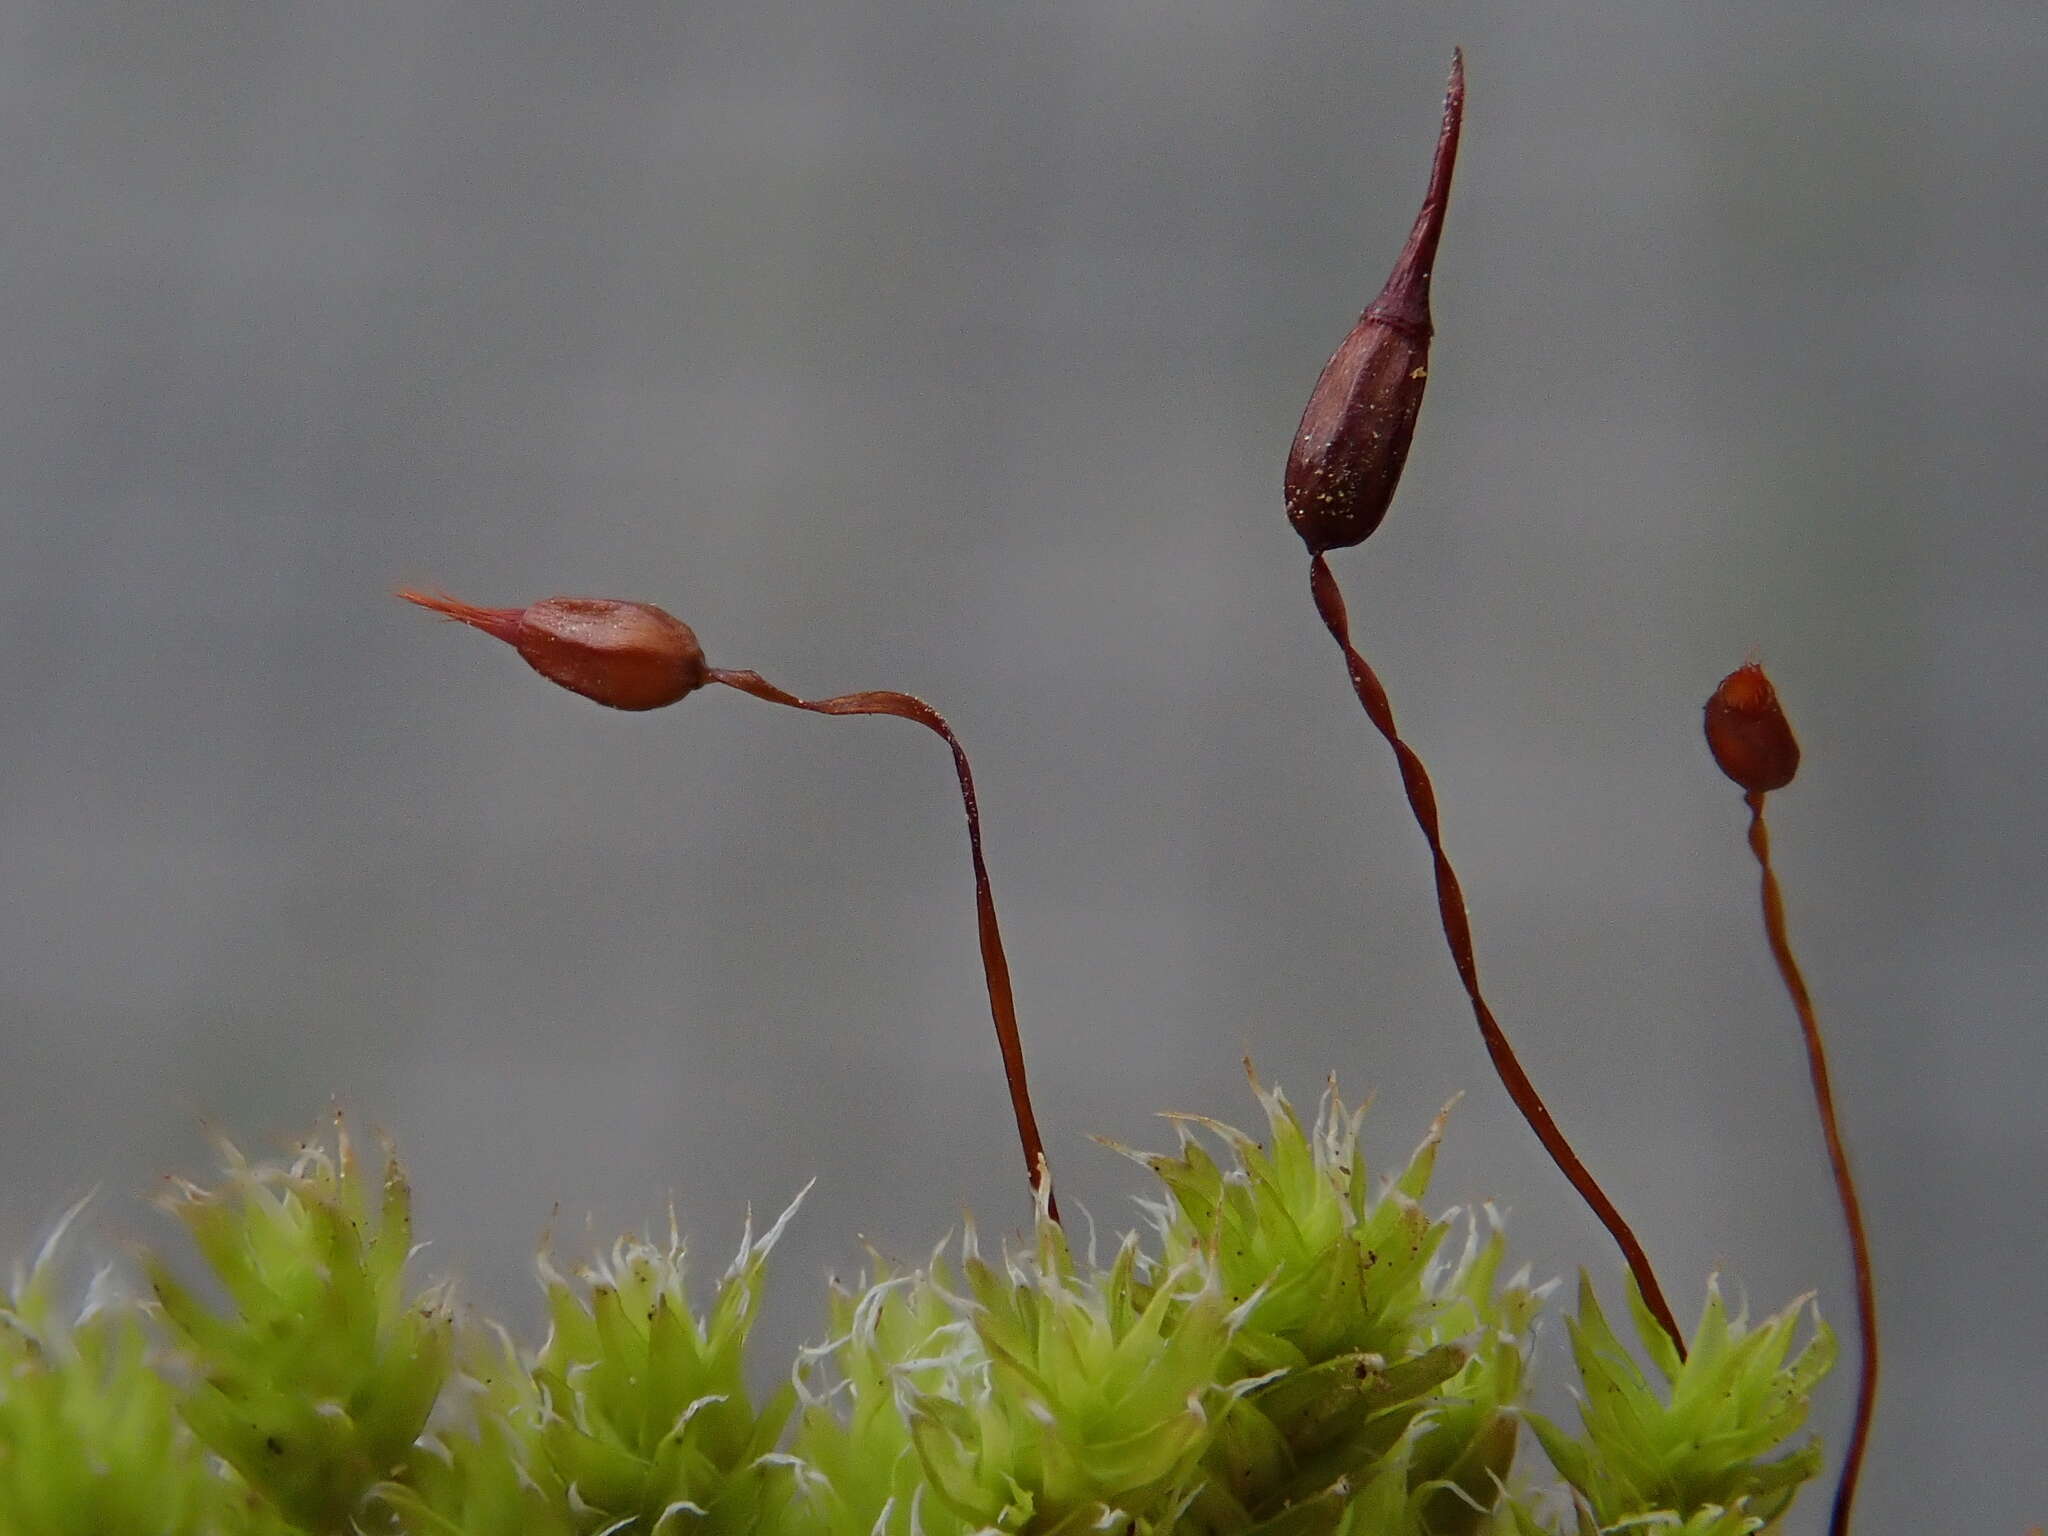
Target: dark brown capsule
{"x": 1348, "y": 454}
{"x": 1748, "y": 734}
{"x": 624, "y": 655}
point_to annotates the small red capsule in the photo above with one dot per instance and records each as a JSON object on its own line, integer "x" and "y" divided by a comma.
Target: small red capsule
{"x": 1346, "y": 460}
{"x": 623, "y": 655}
{"x": 1748, "y": 734}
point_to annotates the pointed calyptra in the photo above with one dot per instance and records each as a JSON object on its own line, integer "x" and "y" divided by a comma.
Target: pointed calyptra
{"x": 1347, "y": 456}
{"x": 624, "y": 655}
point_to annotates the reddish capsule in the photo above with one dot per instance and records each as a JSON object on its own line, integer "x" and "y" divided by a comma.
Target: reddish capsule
{"x": 1353, "y": 441}
{"x": 1748, "y": 733}
{"x": 623, "y": 655}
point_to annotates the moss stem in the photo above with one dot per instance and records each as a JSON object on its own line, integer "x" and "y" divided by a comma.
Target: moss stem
{"x": 1838, "y": 1160}
{"x": 1457, "y": 928}
{"x": 994, "y": 963}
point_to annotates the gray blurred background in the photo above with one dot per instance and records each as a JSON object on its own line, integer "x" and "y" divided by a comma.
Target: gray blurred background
{"x": 956, "y": 348}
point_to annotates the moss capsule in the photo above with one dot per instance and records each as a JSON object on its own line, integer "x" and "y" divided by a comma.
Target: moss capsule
{"x": 1748, "y": 734}
{"x": 1346, "y": 460}
{"x": 631, "y": 656}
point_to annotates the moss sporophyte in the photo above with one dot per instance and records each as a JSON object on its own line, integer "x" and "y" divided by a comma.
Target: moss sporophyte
{"x": 1752, "y": 742}
{"x": 1288, "y": 1345}
{"x": 634, "y": 656}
